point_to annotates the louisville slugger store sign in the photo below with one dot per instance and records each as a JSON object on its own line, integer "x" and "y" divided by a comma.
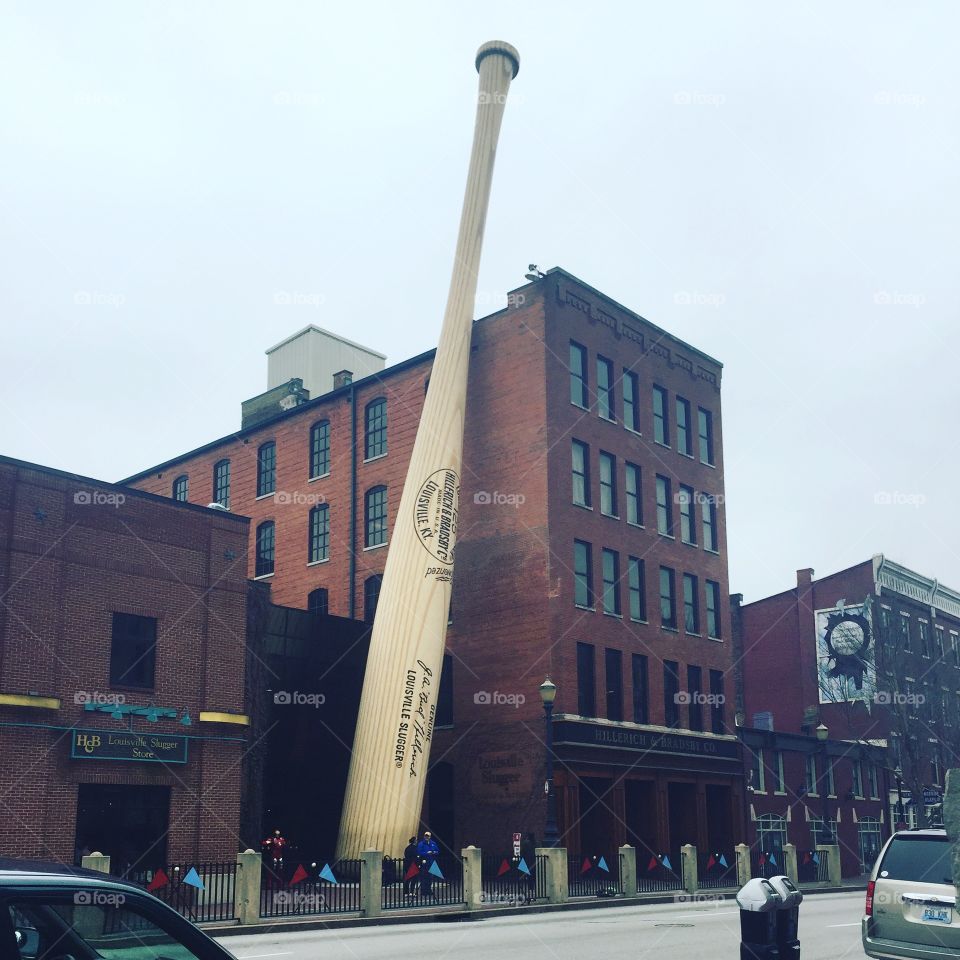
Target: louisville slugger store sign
{"x": 595, "y": 735}
{"x": 125, "y": 745}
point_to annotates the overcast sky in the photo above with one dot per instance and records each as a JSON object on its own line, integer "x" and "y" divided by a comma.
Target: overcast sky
{"x": 777, "y": 184}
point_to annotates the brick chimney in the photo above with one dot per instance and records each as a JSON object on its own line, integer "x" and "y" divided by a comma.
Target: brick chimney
{"x": 343, "y": 378}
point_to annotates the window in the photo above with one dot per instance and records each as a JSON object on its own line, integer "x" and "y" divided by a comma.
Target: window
{"x": 713, "y": 609}
{"x": 684, "y": 440}
{"x": 938, "y": 641}
{"x": 582, "y": 574}
{"x": 661, "y": 422}
{"x": 668, "y": 600}
{"x": 868, "y": 833}
{"x": 613, "y": 660}
{"x": 320, "y": 449}
{"x": 811, "y": 775}
{"x": 631, "y": 408}
{"x": 444, "y": 716}
{"x": 857, "y": 778}
{"x": 691, "y": 604}
{"x": 608, "y": 484}
{"x": 221, "y": 483}
{"x": 371, "y": 595}
{"x": 671, "y": 693}
{"x": 605, "y": 398}
{"x": 636, "y": 583}
{"x": 375, "y": 429}
{"x": 180, "y": 487}
{"x": 586, "y": 681}
{"x": 688, "y": 525}
{"x": 133, "y": 651}
{"x": 705, "y": 430}
{"x": 633, "y": 486}
{"x": 779, "y": 784}
{"x": 610, "y": 562}
{"x": 772, "y": 834}
{"x": 955, "y": 647}
{"x": 319, "y": 524}
{"x": 266, "y": 469}
{"x": 924, "y": 639}
{"x": 375, "y": 517}
{"x": 905, "y": 631}
{"x": 318, "y": 601}
{"x": 695, "y": 697}
{"x": 581, "y": 473}
{"x": 578, "y": 376}
{"x": 708, "y": 508}
{"x": 641, "y": 692}
{"x": 874, "y": 782}
{"x": 664, "y": 507}
{"x": 266, "y": 549}
{"x": 757, "y": 780}
{"x": 718, "y": 722}
{"x": 816, "y": 830}
{"x": 831, "y": 782}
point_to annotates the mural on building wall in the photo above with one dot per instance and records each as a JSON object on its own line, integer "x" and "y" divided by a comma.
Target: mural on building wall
{"x": 846, "y": 653}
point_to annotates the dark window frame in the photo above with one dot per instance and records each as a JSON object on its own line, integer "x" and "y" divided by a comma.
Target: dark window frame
{"x": 637, "y": 588}
{"x": 318, "y": 533}
{"x": 640, "y": 675}
{"x": 265, "y": 549}
{"x": 319, "y": 449}
{"x": 661, "y": 416}
{"x": 266, "y": 468}
{"x": 631, "y": 403}
{"x": 668, "y": 600}
{"x": 375, "y": 429}
{"x": 611, "y": 583}
{"x": 613, "y": 672}
{"x": 607, "y": 464}
{"x": 606, "y": 390}
{"x": 583, "y": 574}
{"x": 633, "y": 492}
{"x": 579, "y": 380}
{"x": 221, "y": 483}
{"x": 586, "y": 680}
{"x": 578, "y": 447}
{"x": 705, "y": 436}
{"x": 691, "y": 603}
{"x": 663, "y": 490}
{"x": 180, "y": 490}
{"x": 684, "y": 438}
{"x": 375, "y": 517}
{"x": 133, "y": 651}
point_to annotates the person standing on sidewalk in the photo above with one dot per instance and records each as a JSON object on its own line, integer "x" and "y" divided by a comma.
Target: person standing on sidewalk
{"x": 409, "y": 861}
{"x": 427, "y": 854}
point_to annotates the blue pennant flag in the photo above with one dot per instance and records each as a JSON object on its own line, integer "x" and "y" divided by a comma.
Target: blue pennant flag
{"x": 522, "y": 867}
{"x": 772, "y": 859}
{"x": 435, "y": 870}
{"x": 327, "y": 874}
{"x": 816, "y": 858}
{"x": 193, "y": 879}
{"x": 723, "y": 861}
{"x": 666, "y": 862}
{"x": 602, "y": 864}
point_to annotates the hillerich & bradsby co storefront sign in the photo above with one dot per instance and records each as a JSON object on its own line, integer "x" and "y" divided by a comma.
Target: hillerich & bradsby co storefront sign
{"x": 127, "y": 745}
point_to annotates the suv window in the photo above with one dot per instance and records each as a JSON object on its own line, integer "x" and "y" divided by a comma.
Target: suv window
{"x": 923, "y": 859}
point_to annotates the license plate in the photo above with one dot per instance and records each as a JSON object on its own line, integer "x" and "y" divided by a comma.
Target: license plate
{"x": 937, "y": 915}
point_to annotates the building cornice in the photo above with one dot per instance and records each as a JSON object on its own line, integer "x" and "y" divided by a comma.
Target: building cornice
{"x": 896, "y": 578}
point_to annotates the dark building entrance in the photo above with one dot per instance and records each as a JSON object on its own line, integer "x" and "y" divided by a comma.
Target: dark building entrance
{"x": 129, "y": 824}
{"x": 682, "y": 804}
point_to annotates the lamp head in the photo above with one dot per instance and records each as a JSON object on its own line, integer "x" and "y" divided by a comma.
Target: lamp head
{"x": 548, "y": 691}
{"x": 823, "y": 732}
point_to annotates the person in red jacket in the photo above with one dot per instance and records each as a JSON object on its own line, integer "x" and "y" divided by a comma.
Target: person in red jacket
{"x": 274, "y": 847}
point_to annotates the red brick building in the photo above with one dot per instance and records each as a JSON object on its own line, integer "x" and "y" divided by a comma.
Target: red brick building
{"x": 872, "y": 654}
{"x": 591, "y": 548}
{"x": 122, "y": 639}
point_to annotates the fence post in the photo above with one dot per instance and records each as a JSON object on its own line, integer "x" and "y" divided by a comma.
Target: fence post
{"x": 628, "y": 870}
{"x": 246, "y": 887}
{"x": 688, "y": 867}
{"x": 473, "y": 876}
{"x": 556, "y": 873}
{"x": 832, "y": 850}
{"x": 96, "y": 861}
{"x": 790, "y": 863}
{"x": 743, "y": 863}
{"x": 371, "y": 883}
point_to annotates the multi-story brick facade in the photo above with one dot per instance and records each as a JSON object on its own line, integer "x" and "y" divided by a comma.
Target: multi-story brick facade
{"x": 552, "y": 574}
{"x": 122, "y": 642}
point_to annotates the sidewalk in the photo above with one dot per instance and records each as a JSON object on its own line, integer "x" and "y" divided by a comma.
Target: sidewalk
{"x": 458, "y": 914}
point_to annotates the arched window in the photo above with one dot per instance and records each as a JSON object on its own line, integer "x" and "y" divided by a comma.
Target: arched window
{"x": 221, "y": 483}
{"x": 266, "y": 468}
{"x": 266, "y": 549}
{"x": 375, "y": 429}
{"x": 371, "y": 594}
{"x": 320, "y": 449}
{"x": 771, "y": 834}
{"x": 375, "y": 517}
{"x": 318, "y": 601}
{"x": 180, "y": 487}
{"x": 318, "y": 547}
{"x": 869, "y": 833}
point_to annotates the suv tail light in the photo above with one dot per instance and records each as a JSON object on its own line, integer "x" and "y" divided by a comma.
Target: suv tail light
{"x": 869, "y": 904}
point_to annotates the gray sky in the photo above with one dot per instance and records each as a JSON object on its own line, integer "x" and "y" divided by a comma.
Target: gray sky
{"x": 775, "y": 183}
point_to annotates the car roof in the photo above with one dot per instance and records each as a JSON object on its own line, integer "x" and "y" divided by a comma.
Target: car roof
{"x": 931, "y": 832}
{"x": 40, "y": 871}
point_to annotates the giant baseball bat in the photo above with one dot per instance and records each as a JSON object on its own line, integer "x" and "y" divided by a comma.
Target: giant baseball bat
{"x": 391, "y": 749}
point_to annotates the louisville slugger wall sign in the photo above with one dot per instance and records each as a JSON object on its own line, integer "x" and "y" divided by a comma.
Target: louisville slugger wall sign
{"x": 391, "y": 749}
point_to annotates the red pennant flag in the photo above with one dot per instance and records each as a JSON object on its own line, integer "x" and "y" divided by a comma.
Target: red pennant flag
{"x": 160, "y": 879}
{"x": 711, "y": 862}
{"x": 653, "y": 863}
{"x": 412, "y": 871}
{"x": 763, "y": 859}
{"x": 298, "y": 875}
{"x": 504, "y": 868}
{"x": 587, "y": 865}
{"x": 806, "y": 857}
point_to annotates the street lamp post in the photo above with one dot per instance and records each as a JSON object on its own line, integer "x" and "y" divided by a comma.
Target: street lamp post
{"x": 823, "y": 733}
{"x": 548, "y": 693}
{"x": 898, "y": 776}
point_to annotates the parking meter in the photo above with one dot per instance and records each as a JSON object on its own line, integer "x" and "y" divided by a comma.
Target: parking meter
{"x": 788, "y": 918}
{"x": 758, "y": 902}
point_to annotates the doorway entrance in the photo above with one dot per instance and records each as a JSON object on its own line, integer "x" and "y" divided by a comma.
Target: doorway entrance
{"x": 682, "y": 803}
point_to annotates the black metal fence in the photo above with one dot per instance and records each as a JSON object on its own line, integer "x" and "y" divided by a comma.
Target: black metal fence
{"x": 202, "y": 891}
{"x": 716, "y": 869}
{"x": 658, "y": 872}
{"x": 509, "y": 880}
{"x": 417, "y": 885}
{"x": 594, "y": 876}
{"x": 329, "y": 888}
{"x": 813, "y": 866}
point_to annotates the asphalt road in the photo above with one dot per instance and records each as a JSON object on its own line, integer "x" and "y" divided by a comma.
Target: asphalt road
{"x": 829, "y": 930}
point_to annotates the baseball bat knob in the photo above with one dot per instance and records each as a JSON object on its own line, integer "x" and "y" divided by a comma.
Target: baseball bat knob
{"x": 498, "y": 46}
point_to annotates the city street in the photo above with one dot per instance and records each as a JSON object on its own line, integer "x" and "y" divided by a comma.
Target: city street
{"x": 829, "y": 930}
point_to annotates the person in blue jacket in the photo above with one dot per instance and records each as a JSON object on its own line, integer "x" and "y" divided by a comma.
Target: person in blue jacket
{"x": 427, "y": 853}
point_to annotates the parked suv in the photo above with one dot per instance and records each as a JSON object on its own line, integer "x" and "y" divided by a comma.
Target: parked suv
{"x": 62, "y": 913}
{"x": 911, "y": 908}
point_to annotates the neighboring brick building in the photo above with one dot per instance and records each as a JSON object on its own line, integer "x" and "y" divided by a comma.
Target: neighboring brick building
{"x": 593, "y": 471}
{"x": 871, "y": 653}
{"x": 122, "y": 643}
